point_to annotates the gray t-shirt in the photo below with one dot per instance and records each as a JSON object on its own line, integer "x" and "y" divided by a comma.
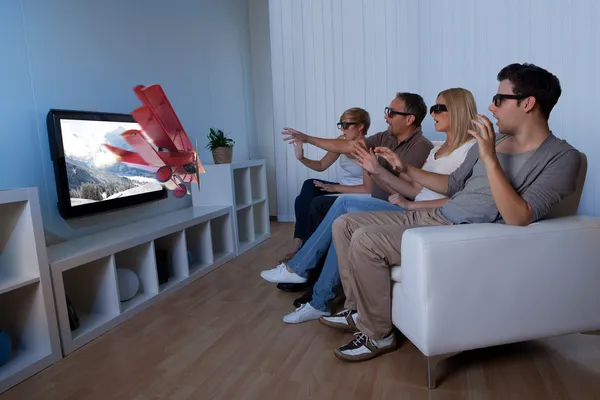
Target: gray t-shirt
{"x": 541, "y": 178}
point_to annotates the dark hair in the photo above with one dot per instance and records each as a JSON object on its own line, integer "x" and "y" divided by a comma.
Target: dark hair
{"x": 415, "y": 105}
{"x": 531, "y": 80}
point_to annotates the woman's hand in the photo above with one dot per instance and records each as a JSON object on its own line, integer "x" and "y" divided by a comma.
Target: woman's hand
{"x": 391, "y": 157}
{"x": 326, "y": 187}
{"x": 299, "y": 150}
{"x": 400, "y": 201}
{"x": 293, "y": 136}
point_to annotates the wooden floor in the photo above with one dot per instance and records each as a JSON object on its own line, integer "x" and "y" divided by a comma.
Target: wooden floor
{"x": 223, "y": 337}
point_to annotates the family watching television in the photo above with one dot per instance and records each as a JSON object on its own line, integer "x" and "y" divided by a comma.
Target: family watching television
{"x": 349, "y": 234}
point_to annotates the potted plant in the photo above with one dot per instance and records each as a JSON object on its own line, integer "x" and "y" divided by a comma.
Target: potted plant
{"x": 221, "y": 146}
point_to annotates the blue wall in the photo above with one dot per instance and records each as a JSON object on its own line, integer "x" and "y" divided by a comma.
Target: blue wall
{"x": 87, "y": 55}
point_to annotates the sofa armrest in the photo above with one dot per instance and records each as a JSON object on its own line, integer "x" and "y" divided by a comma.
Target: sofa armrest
{"x": 470, "y": 286}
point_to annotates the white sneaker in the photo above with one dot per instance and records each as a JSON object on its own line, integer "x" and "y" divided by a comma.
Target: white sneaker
{"x": 280, "y": 274}
{"x": 304, "y": 313}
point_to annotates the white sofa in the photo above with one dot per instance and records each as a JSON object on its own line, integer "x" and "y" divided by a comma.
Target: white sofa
{"x": 473, "y": 286}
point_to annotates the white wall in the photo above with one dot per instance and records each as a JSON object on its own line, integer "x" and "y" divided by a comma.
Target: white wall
{"x": 329, "y": 55}
{"x": 88, "y": 55}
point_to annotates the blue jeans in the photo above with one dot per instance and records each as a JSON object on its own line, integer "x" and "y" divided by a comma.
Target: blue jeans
{"x": 321, "y": 241}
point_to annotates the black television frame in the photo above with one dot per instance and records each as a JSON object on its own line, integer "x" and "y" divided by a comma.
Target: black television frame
{"x": 57, "y": 155}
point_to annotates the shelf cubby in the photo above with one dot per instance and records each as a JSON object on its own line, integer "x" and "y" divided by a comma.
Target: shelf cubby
{"x": 222, "y": 238}
{"x": 18, "y": 258}
{"x": 199, "y": 247}
{"x": 241, "y": 182}
{"x": 261, "y": 219}
{"x": 258, "y": 183}
{"x": 141, "y": 260}
{"x": 171, "y": 256}
{"x": 243, "y": 185}
{"x": 245, "y": 220}
{"x": 27, "y": 308}
{"x": 92, "y": 291}
{"x": 23, "y": 318}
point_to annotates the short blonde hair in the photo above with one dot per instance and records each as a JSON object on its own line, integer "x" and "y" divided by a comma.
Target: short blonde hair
{"x": 462, "y": 108}
{"x": 359, "y": 116}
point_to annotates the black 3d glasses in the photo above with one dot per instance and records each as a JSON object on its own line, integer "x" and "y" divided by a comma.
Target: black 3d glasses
{"x": 391, "y": 112}
{"x": 438, "y": 108}
{"x": 344, "y": 124}
{"x": 499, "y": 98}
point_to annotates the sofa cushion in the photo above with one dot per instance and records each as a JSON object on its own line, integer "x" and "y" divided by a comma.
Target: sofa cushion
{"x": 396, "y": 273}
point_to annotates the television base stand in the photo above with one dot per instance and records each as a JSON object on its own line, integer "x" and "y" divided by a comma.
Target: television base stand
{"x": 179, "y": 247}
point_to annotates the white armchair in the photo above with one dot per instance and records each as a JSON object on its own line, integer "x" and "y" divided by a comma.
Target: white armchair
{"x": 472, "y": 286}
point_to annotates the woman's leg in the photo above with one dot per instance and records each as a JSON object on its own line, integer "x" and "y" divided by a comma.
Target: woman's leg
{"x": 302, "y": 209}
{"x": 308, "y": 256}
{"x": 318, "y": 210}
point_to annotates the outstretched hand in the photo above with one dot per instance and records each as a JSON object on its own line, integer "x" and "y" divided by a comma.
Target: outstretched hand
{"x": 367, "y": 160}
{"x": 486, "y": 138}
{"x": 293, "y": 136}
{"x": 392, "y": 158}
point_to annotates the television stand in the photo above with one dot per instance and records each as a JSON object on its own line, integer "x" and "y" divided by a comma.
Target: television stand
{"x": 196, "y": 240}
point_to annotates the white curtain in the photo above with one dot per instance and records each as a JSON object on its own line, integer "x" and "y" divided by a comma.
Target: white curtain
{"x": 330, "y": 55}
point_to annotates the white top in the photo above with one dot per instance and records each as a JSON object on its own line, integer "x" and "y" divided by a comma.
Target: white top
{"x": 352, "y": 174}
{"x": 443, "y": 165}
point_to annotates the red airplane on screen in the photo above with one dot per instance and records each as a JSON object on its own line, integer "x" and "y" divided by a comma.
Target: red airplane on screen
{"x": 162, "y": 146}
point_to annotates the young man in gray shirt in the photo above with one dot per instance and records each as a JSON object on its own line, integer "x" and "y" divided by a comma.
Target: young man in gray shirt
{"x": 515, "y": 177}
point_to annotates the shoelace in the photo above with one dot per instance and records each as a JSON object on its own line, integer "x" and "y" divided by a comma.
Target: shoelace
{"x": 344, "y": 313}
{"x": 361, "y": 339}
{"x": 301, "y": 307}
{"x": 281, "y": 267}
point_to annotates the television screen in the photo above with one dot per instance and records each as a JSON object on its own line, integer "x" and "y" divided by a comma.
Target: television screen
{"x": 90, "y": 179}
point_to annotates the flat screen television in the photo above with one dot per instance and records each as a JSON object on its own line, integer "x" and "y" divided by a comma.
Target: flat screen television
{"x": 89, "y": 179}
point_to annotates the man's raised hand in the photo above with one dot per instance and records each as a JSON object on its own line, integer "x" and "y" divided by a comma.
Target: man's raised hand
{"x": 486, "y": 138}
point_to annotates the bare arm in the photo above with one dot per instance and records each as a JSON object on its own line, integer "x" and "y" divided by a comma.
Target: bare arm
{"x": 387, "y": 181}
{"x": 336, "y": 188}
{"x": 513, "y": 209}
{"x": 320, "y": 165}
{"x": 340, "y": 146}
{"x": 432, "y": 181}
{"x": 385, "y": 186}
{"x": 401, "y": 201}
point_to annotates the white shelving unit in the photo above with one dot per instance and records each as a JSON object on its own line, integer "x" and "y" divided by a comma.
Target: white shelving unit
{"x": 243, "y": 185}
{"x": 185, "y": 244}
{"x": 27, "y": 312}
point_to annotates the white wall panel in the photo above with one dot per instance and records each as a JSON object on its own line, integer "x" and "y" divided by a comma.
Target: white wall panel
{"x": 330, "y": 55}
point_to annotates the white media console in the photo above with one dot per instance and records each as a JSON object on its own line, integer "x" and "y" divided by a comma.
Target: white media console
{"x": 228, "y": 217}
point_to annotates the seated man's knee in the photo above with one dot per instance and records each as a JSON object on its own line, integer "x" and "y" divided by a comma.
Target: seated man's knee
{"x": 340, "y": 223}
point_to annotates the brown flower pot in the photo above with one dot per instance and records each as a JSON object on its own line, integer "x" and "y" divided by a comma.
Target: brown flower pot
{"x": 222, "y": 155}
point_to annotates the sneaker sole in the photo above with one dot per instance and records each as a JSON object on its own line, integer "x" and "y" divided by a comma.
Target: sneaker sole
{"x": 277, "y": 281}
{"x": 368, "y": 356}
{"x": 335, "y": 325}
